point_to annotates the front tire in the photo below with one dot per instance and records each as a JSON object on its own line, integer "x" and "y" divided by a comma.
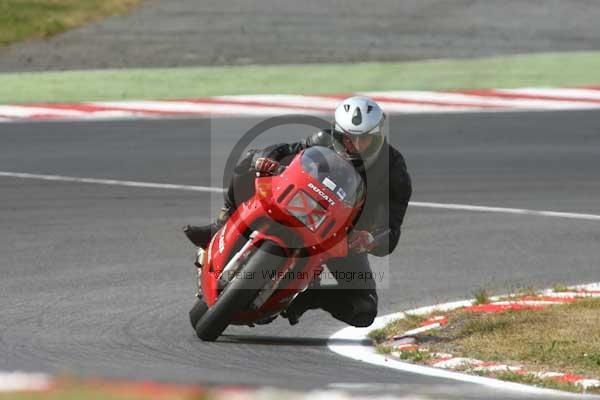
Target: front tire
{"x": 198, "y": 310}
{"x": 240, "y": 292}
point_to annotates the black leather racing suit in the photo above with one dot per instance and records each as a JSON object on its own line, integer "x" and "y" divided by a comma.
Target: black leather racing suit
{"x": 388, "y": 193}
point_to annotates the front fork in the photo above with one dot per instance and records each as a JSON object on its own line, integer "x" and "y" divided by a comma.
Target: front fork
{"x": 200, "y": 260}
{"x": 235, "y": 263}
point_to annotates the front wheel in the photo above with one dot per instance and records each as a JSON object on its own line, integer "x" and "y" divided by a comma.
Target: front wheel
{"x": 241, "y": 291}
{"x": 198, "y": 310}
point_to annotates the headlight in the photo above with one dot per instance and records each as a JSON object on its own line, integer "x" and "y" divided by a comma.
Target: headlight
{"x": 307, "y": 210}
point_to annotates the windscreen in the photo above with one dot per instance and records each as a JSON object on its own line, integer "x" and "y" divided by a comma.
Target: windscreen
{"x": 334, "y": 173}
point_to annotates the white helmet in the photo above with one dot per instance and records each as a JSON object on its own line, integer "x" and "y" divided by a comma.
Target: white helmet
{"x": 358, "y": 129}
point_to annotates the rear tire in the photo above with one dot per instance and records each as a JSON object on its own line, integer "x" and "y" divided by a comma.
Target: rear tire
{"x": 240, "y": 292}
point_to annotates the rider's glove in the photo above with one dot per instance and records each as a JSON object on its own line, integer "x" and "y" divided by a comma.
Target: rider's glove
{"x": 360, "y": 242}
{"x": 266, "y": 165}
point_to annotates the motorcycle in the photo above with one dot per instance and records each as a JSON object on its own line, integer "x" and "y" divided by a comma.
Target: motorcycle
{"x": 275, "y": 244}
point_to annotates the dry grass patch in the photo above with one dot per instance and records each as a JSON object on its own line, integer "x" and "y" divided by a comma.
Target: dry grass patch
{"x": 527, "y": 291}
{"x": 530, "y": 379}
{"x": 565, "y": 338}
{"x": 80, "y": 390}
{"x": 559, "y": 288}
{"x": 25, "y": 19}
{"x": 561, "y": 338}
{"x": 75, "y": 393}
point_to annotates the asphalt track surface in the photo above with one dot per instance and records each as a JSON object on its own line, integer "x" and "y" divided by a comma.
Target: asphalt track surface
{"x": 171, "y": 33}
{"x": 97, "y": 280}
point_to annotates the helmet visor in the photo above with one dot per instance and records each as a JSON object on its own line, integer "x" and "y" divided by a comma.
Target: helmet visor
{"x": 365, "y": 146}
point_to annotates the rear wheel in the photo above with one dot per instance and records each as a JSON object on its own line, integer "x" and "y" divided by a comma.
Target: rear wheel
{"x": 241, "y": 291}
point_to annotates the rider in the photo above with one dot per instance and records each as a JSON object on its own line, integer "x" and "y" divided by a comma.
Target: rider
{"x": 357, "y": 134}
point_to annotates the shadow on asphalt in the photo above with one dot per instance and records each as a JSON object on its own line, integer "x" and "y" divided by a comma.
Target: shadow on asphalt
{"x": 289, "y": 341}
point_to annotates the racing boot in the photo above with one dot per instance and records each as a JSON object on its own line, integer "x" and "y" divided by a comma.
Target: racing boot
{"x": 307, "y": 300}
{"x": 200, "y": 235}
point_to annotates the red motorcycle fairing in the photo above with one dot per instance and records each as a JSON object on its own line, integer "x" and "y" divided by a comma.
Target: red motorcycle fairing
{"x": 307, "y": 218}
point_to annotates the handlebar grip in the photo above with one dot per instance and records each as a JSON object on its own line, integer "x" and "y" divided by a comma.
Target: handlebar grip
{"x": 277, "y": 171}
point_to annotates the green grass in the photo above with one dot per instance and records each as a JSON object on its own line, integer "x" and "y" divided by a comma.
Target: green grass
{"x": 383, "y": 348}
{"x": 556, "y": 69}
{"x": 481, "y": 296}
{"x": 415, "y": 356}
{"x": 26, "y": 19}
{"x": 396, "y": 327}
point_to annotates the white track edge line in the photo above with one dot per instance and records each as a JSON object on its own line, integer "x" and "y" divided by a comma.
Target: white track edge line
{"x": 367, "y": 353}
{"x": 111, "y": 182}
{"x": 210, "y": 189}
{"x": 503, "y": 210}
